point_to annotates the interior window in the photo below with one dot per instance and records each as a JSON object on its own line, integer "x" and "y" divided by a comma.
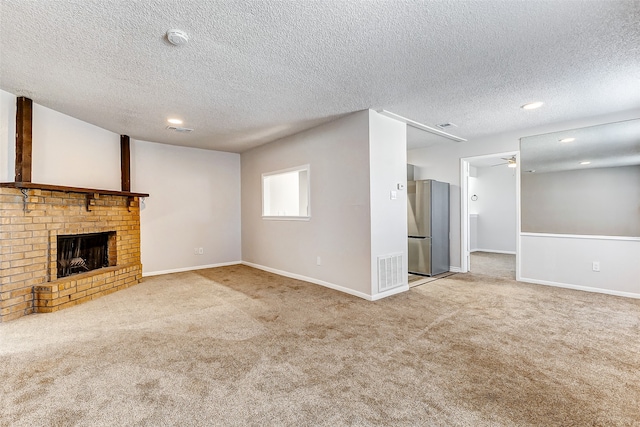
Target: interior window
{"x": 285, "y": 194}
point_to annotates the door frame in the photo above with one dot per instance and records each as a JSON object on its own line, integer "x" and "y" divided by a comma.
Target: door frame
{"x": 465, "y": 163}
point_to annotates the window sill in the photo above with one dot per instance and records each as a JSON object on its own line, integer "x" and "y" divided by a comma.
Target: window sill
{"x": 286, "y": 218}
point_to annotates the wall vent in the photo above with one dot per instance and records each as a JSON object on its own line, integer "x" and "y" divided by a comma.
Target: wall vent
{"x": 390, "y": 272}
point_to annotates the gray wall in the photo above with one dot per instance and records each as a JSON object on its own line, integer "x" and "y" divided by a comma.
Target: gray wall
{"x": 598, "y": 201}
{"x": 339, "y": 230}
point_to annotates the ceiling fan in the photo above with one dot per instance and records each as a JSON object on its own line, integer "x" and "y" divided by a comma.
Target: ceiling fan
{"x": 510, "y": 162}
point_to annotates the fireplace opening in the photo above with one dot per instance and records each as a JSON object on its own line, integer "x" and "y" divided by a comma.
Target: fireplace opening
{"x": 84, "y": 252}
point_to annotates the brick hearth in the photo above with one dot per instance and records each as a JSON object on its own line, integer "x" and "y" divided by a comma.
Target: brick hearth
{"x": 28, "y": 236}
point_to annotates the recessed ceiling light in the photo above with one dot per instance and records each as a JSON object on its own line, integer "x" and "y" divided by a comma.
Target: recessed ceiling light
{"x": 175, "y": 121}
{"x": 532, "y": 105}
{"x": 567, "y": 139}
{"x": 585, "y": 163}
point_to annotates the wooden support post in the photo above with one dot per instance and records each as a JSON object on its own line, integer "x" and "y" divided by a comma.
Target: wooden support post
{"x": 125, "y": 163}
{"x": 24, "y": 114}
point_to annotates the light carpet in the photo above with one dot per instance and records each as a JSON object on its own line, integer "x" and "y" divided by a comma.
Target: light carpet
{"x": 493, "y": 264}
{"x": 238, "y": 346}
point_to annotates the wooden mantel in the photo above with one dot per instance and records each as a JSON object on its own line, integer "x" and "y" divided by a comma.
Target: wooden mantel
{"x": 64, "y": 189}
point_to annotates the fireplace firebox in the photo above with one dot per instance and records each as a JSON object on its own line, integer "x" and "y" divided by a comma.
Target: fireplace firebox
{"x": 83, "y": 252}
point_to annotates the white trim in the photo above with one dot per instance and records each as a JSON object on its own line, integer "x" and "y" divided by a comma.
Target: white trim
{"x": 465, "y": 239}
{"x": 454, "y": 269}
{"x": 183, "y": 269}
{"x": 333, "y": 286}
{"x": 580, "y": 288}
{"x": 315, "y": 281}
{"x": 465, "y": 243}
{"x": 421, "y": 126}
{"x": 287, "y": 218}
{"x": 388, "y": 293}
{"x": 291, "y": 169}
{"x": 494, "y": 251}
{"x": 300, "y": 168}
{"x": 581, "y": 236}
{"x": 518, "y": 219}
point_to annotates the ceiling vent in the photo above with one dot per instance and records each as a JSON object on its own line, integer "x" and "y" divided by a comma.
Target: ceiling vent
{"x": 447, "y": 125}
{"x": 179, "y": 129}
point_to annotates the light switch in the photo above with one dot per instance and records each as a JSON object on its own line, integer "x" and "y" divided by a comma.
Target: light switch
{"x": 394, "y": 195}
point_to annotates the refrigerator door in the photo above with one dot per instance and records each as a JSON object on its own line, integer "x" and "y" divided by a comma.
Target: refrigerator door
{"x": 420, "y": 255}
{"x": 440, "y": 227}
{"x": 419, "y": 208}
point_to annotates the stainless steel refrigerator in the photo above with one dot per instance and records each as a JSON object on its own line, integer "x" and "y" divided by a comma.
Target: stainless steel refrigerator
{"x": 428, "y": 217}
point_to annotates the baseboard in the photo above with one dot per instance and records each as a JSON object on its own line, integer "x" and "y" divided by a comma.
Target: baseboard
{"x": 494, "y": 251}
{"x": 394, "y": 291}
{"x": 580, "y": 288}
{"x": 333, "y": 286}
{"x": 182, "y": 270}
{"x": 312, "y": 280}
{"x": 453, "y": 269}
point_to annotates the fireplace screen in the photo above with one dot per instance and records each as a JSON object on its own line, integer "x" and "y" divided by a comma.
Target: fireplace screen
{"x": 82, "y": 252}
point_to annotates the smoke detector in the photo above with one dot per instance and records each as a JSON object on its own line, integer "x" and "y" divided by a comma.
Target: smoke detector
{"x": 177, "y": 37}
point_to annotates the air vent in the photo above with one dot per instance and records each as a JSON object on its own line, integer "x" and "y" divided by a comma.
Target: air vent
{"x": 390, "y": 272}
{"x": 447, "y": 125}
{"x": 179, "y": 129}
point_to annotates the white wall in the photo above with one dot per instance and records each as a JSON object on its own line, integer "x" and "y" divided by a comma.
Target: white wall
{"x": 355, "y": 163}
{"x": 68, "y": 151}
{"x": 567, "y": 262}
{"x": 473, "y": 208}
{"x": 65, "y": 151}
{"x": 473, "y": 232}
{"x": 388, "y": 168}
{"x": 443, "y": 163}
{"x": 496, "y": 208}
{"x": 194, "y": 194}
{"x": 194, "y": 203}
{"x": 7, "y": 136}
{"x": 339, "y": 228}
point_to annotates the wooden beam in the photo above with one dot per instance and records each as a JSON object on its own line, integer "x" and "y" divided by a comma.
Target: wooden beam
{"x": 125, "y": 163}
{"x": 24, "y": 115}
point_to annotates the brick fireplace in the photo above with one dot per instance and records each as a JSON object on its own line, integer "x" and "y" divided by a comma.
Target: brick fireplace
{"x": 32, "y": 220}
{"x": 38, "y": 220}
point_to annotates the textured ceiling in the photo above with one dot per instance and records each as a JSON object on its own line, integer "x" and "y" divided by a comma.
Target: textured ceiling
{"x": 258, "y": 70}
{"x": 609, "y": 145}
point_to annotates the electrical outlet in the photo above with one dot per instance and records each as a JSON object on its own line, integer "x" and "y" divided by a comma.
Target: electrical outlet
{"x": 200, "y": 251}
{"x": 195, "y": 251}
{"x": 318, "y": 261}
{"x": 595, "y": 266}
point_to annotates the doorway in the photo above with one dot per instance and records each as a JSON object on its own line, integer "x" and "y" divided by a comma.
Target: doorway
{"x": 490, "y": 197}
